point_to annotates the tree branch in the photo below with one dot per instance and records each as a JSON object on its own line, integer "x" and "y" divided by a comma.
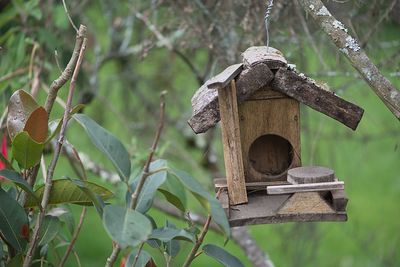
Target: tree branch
{"x": 145, "y": 174}
{"x": 346, "y": 44}
{"x": 50, "y": 172}
{"x": 67, "y": 73}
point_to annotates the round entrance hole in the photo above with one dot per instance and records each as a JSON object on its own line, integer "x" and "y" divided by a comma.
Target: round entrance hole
{"x": 271, "y": 155}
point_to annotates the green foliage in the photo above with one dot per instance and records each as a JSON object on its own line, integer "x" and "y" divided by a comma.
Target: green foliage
{"x": 26, "y": 151}
{"x": 20, "y": 182}
{"x": 67, "y": 191}
{"x": 222, "y": 256}
{"x": 143, "y": 259}
{"x": 13, "y": 222}
{"x": 126, "y": 226}
{"x": 107, "y": 144}
{"x": 49, "y": 230}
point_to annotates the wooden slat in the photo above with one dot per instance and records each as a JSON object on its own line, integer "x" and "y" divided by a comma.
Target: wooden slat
{"x": 314, "y": 96}
{"x": 222, "y": 183}
{"x": 232, "y": 147}
{"x": 288, "y": 189}
{"x": 223, "y": 79}
{"x": 205, "y": 101}
{"x": 262, "y": 209}
{"x": 252, "y": 79}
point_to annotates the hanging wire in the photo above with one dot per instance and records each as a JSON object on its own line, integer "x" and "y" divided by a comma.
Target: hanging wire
{"x": 266, "y": 19}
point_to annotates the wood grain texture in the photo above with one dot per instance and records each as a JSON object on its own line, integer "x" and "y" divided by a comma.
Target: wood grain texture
{"x": 310, "y": 202}
{"x": 261, "y": 54}
{"x": 205, "y": 100}
{"x": 264, "y": 209}
{"x": 252, "y": 79}
{"x": 279, "y": 117}
{"x": 225, "y": 77}
{"x": 232, "y": 145}
{"x": 205, "y": 109}
{"x": 314, "y": 96}
{"x": 294, "y": 188}
{"x": 339, "y": 200}
{"x": 222, "y": 183}
{"x": 310, "y": 174}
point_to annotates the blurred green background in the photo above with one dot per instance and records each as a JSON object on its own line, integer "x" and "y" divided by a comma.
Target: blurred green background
{"x": 137, "y": 49}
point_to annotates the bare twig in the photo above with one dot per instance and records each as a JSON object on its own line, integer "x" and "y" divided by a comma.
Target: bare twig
{"x": 373, "y": 29}
{"x": 13, "y": 74}
{"x": 70, "y": 247}
{"x": 69, "y": 16}
{"x": 110, "y": 260}
{"x": 137, "y": 254}
{"x": 153, "y": 148}
{"x": 73, "y": 239}
{"x": 67, "y": 73}
{"x": 199, "y": 241}
{"x": 308, "y": 34}
{"x": 346, "y": 44}
{"x": 50, "y": 172}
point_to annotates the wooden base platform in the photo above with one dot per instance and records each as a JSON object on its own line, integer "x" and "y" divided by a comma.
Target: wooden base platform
{"x": 267, "y": 209}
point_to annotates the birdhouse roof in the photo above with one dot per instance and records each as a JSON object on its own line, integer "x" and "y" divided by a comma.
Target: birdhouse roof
{"x": 267, "y": 67}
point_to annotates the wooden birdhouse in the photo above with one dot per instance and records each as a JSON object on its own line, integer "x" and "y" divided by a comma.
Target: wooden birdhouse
{"x": 257, "y": 102}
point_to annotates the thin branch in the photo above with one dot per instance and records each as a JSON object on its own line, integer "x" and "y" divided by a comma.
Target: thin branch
{"x": 83, "y": 176}
{"x": 138, "y": 254}
{"x": 67, "y": 73}
{"x": 74, "y": 237}
{"x": 69, "y": 16}
{"x": 50, "y": 172}
{"x": 346, "y": 44}
{"x": 145, "y": 174}
{"x": 13, "y": 74}
{"x": 365, "y": 40}
{"x": 199, "y": 241}
{"x": 153, "y": 148}
{"x": 308, "y": 34}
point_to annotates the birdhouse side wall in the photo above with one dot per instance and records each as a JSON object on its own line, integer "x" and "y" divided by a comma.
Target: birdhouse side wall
{"x": 270, "y": 136}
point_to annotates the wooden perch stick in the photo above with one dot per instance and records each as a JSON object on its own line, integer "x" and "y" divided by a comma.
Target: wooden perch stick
{"x": 296, "y": 188}
{"x": 355, "y": 54}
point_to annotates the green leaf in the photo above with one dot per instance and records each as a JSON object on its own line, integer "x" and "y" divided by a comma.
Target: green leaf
{"x": 49, "y": 230}
{"x": 96, "y": 199}
{"x": 16, "y": 261}
{"x": 166, "y": 234}
{"x": 13, "y": 219}
{"x": 148, "y": 192}
{"x": 66, "y": 191}
{"x": 125, "y": 226}
{"x": 172, "y": 247}
{"x": 205, "y": 199}
{"x": 108, "y": 144}
{"x": 174, "y": 192}
{"x": 222, "y": 256}
{"x": 26, "y": 151}
{"x": 143, "y": 259}
{"x": 55, "y": 125}
{"x": 19, "y": 181}
{"x": 20, "y": 107}
{"x": 173, "y": 199}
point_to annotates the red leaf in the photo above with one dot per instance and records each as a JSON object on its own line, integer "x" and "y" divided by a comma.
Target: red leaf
{"x": 25, "y": 231}
{"x": 4, "y": 152}
{"x": 123, "y": 262}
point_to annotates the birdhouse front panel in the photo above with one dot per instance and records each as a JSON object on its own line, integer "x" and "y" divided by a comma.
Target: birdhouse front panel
{"x": 270, "y": 135}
